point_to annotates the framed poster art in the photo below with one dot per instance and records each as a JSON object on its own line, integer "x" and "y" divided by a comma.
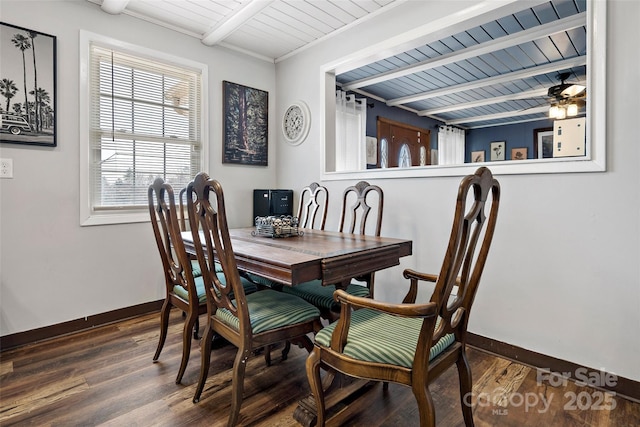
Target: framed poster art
{"x": 477, "y": 156}
{"x": 543, "y": 143}
{"x": 245, "y": 124}
{"x": 498, "y": 149}
{"x": 27, "y": 86}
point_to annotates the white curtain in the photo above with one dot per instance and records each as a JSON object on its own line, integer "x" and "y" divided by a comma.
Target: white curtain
{"x": 351, "y": 132}
{"x": 450, "y": 146}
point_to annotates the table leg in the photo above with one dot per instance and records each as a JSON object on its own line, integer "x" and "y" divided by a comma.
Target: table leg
{"x": 338, "y": 389}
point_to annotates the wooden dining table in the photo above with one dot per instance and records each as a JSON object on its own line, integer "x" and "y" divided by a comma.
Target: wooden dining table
{"x": 332, "y": 257}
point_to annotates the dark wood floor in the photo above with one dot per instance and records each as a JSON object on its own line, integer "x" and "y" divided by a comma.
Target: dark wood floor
{"x": 106, "y": 377}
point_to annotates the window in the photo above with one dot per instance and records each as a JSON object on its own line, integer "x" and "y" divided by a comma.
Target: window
{"x": 143, "y": 120}
{"x": 369, "y": 56}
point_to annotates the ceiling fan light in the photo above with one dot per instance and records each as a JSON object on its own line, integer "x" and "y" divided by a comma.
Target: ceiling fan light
{"x": 572, "y": 110}
{"x": 553, "y": 111}
{"x": 562, "y": 113}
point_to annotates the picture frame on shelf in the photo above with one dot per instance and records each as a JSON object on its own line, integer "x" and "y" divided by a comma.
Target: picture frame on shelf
{"x": 245, "y": 124}
{"x": 519, "y": 153}
{"x": 28, "y": 70}
{"x": 477, "y": 156}
{"x": 543, "y": 143}
{"x": 497, "y": 152}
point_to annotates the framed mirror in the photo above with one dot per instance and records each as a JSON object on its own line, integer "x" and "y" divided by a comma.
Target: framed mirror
{"x": 494, "y": 74}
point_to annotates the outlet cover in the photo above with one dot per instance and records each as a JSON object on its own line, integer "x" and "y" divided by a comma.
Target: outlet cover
{"x": 6, "y": 168}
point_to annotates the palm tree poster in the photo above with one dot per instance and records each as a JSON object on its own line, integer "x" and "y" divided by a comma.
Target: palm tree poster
{"x": 27, "y": 86}
{"x": 246, "y": 116}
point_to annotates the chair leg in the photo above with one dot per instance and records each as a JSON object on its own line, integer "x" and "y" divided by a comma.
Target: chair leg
{"x": 196, "y": 328}
{"x": 164, "y": 325}
{"x": 267, "y": 355}
{"x": 315, "y": 383}
{"x": 204, "y": 364}
{"x": 239, "y": 368}
{"x": 466, "y": 384}
{"x": 192, "y": 318}
{"x": 286, "y": 349}
{"x": 426, "y": 410}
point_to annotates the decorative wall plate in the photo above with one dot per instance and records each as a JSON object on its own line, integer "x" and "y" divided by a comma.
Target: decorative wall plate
{"x": 296, "y": 122}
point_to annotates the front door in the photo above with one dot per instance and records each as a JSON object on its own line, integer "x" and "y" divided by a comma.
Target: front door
{"x": 402, "y": 145}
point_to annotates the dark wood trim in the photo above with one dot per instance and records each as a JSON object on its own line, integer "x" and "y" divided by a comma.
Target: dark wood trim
{"x": 624, "y": 387}
{"x": 403, "y": 125}
{"x": 36, "y": 335}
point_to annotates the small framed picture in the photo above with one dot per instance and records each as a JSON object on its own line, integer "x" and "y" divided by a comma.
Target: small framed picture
{"x": 477, "y": 156}
{"x": 519, "y": 153}
{"x": 497, "y": 150}
{"x": 543, "y": 143}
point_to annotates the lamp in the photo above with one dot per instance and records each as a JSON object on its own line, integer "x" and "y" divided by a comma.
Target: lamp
{"x": 557, "y": 112}
{"x": 572, "y": 110}
{"x": 562, "y": 110}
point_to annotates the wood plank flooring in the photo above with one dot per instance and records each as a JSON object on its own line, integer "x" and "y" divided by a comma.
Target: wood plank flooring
{"x": 105, "y": 377}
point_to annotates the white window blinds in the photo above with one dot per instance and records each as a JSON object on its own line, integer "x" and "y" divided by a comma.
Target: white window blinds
{"x": 144, "y": 122}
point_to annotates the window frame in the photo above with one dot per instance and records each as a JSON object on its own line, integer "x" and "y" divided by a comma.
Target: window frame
{"x": 88, "y": 215}
{"x": 595, "y": 159}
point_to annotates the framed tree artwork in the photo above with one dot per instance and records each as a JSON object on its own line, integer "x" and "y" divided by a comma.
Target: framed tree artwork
{"x": 246, "y": 116}
{"x": 27, "y": 86}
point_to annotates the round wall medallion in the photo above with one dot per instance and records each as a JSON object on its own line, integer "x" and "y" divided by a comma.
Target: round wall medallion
{"x": 296, "y": 122}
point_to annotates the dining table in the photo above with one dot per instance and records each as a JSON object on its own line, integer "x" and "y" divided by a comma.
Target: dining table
{"x": 335, "y": 258}
{"x": 329, "y": 256}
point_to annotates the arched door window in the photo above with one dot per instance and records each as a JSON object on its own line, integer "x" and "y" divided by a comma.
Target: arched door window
{"x": 404, "y": 157}
{"x": 384, "y": 153}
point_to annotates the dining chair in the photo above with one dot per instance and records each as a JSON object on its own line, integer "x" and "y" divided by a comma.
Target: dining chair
{"x": 413, "y": 343}
{"x": 362, "y": 206}
{"x": 312, "y": 206}
{"x": 312, "y": 213}
{"x": 183, "y": 290}
{"x": 249, "y": 321}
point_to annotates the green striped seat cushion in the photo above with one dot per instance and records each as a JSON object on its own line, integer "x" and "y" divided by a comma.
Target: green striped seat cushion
{"x": 322, "y": 296}
{"x": 383, "y": 338}
{"x": 263, "y": 281}
{"x": 248, "y": 286}
{"x": 195, "y": 268}
{"x": 271, "y": 309}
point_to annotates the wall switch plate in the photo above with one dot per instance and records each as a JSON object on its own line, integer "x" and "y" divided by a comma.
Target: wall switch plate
{"x": 6, "y": 168}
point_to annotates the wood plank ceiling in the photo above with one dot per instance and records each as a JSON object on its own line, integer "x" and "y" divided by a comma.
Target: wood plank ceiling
{"x": 491, "y": 74}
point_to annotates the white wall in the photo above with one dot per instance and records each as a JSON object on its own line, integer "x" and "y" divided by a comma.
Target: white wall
{"x": 51, "y": 269}
{"x": 563, "y": 276}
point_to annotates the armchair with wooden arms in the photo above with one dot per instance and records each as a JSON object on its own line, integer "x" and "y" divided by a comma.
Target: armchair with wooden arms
{"x": 412, "y": 343}
{"x": 249, "y": 321}
{"x": 360, "y": 203}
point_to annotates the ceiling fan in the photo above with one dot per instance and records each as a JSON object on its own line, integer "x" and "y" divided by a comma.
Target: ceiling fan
{"x": 566, "y": 90}
{"x": 566, "y": 98}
